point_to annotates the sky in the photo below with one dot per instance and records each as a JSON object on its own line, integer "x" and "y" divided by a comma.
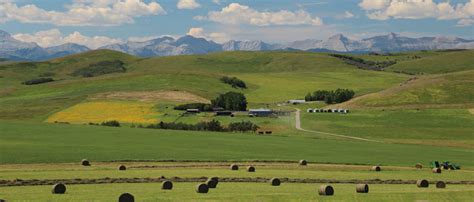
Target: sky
{"x": 96, "y": 23}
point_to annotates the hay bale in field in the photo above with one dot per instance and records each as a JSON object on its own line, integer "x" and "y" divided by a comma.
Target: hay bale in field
{"x": 377, "y": 168}
{"x": 167, "y": 185}
{"x": 212, "y": 182}
{"x": 436, "y": 170}
{"x": 85, "y": 162}
{"x": 440, "y": 185}
{"x": 362, "y": 188}
{"x": 126, "y": 197}
{"x": 326, "y": 190}
{"x": 422, "y": 183}
{"x": 275, "y": 181}
{"x": 250, "y": 169}
{"x": 303, "y": 162}
{"x": 419, "y": 166}
{"x": 59, "y": 188}
{"x": 122, "y": 167}
{"x": 234, "y": 167}
{"x": 202, "y": 188}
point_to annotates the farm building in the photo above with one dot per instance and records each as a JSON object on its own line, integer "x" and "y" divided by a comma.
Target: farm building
{"x": 296, "y": 101}
{"x": 260, "y": 112}
{"x": 217, "y": 109}
{"x": 223, "y": 113}
{"x": 192, "y": 111}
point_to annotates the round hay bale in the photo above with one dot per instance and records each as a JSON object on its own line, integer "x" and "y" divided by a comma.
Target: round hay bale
{"x": 202, "y": 188}
{"x": 122, "y": 167}
{"x": 59, "y": 188}
{"x": 212, "y": 183}
{"x": 167, "y": 185}
{"x": 126, "y": 197}
{"x": 234, "y": 167}
{"x": 275, "y": 181}
{"x": 362, "y": 188}
{"x": 422, "y": 183}
{"x": 440, "y": 185}
{"x": 326, "y": 190}
{"x": 418, "y": 166}
{"x": 436, "y": 170}
{"x": 376, "y": 168}
{"x": 303, "y": 162}
{"x": 251, "y": 169}
{"x": 85, "y": 162}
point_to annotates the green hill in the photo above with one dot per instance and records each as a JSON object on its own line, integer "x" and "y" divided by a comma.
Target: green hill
{"x": 436, "y": 91}
{"x": 427, "y": 62}
{"x": 271, "y": 76}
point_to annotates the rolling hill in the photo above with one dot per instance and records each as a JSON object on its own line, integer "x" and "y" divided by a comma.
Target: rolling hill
{"x": 271, "y": 76}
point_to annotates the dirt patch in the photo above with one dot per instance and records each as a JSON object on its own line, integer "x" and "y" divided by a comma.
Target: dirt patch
{"x": 35, "y": 182}
{"x": 471, "y": 110}
{"x": 151, "y": 96}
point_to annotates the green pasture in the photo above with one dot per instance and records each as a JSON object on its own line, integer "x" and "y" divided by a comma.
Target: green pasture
{"x": 240, "y": 192}
{"x": 37, "y": 143}
{"x": 440, "y": 127}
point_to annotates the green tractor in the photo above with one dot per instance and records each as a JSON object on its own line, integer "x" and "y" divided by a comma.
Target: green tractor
{"x": 445, "y": 165}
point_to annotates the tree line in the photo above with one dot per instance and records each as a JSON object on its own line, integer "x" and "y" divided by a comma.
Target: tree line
{"x": 232, "y": 101}
{"x": 330, "y": 97}
{"x": 214, "y": 125}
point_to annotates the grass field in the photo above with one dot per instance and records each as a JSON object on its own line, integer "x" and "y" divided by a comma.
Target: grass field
{"x": 440, "y": 127}
{"x": 36, "y": 143}
{"x": 233, "y": 191}
{"x": 241, "y": 192}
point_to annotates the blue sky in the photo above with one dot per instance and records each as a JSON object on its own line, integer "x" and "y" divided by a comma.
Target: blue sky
{"x": 98, "y": 22}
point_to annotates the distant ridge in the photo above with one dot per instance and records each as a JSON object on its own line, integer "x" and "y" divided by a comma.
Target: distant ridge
{"x": 13, "y": 49}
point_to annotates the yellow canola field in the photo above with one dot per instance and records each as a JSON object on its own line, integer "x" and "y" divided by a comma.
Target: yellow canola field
{"x": 100, "y": 111}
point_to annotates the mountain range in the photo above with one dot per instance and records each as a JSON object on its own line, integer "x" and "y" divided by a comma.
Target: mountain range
{"x": 13, "y": 49}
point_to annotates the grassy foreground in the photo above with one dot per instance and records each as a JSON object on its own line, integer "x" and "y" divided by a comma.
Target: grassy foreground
{"x": 235, "y": 191}
{"x": 240, "y": 192}
{"x": 36, "y": 143}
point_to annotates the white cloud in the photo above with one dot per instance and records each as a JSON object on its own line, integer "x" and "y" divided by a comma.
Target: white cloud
{"x": 188, "y": 4}
{"x": 54, "y": 37}
{"x": 374, "y": 4}
{"x": 215, "y": 36}
{"x": 218, "y": 2}
{"x": 419, "y": 9}
{"x": 236, "y": 13}
{"x": 82, "y": 12}
{"x": 348, "y": 14}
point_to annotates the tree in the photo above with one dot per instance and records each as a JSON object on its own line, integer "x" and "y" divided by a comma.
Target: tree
{"x": 231, "y": 101}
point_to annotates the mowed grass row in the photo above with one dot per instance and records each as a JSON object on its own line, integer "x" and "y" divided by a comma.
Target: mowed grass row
{"x": 240, "y": 192}
{"x": 38, "y": 143}
{"x": 221, "y": 169}
{"x": 442, "y": 127}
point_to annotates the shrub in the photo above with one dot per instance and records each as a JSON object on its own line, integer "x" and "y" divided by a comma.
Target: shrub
{"x": 213, "y": 125}
{"x": 201, "y": 106}
{"x": 234, "y": 82}
{"x": 113, "y": 123}
{"x": 38, "y": 81}
{"x": 364, "y": 64}
{"x": 243, "y": 126}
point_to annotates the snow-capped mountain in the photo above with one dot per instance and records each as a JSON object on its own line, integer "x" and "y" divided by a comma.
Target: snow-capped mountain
{"x": 233, "y": 45}
{"x": 13, "y": 49}
{"x": 166, "y": 46}
{"x": 65, "y": 49}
